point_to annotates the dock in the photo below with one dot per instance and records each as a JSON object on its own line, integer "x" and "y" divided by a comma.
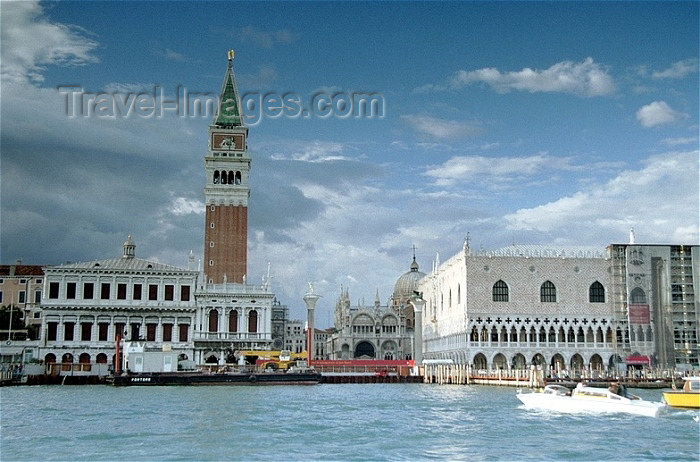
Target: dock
{"x": 459, "y": 374}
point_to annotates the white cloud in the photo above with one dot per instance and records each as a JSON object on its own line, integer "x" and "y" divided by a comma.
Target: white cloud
{"x": 679, "y": 141}
{"x": 174, "y": 56}
{"x": 266, "y": 39}
{"x": 184, "y": 206}
{"x": 641, "y": 199}
{"x": 657, "y": 113}
{"x": 430, "y": 88}
{"x": 494, "y": 169}
{"x": 442, "y": 128}
{"x": 130, "y": 88}
{"x": 678, "y": 70}
{"x": 586, "y": 78}
{"x": 342, "y": 244}
{"x": 314, "y": 151}
{"x": 30, "y": 42}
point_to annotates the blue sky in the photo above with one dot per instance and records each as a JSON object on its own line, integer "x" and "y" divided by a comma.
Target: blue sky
{"x": 545, "y": 123}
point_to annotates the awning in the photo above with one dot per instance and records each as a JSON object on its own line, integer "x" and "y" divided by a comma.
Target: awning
{"x": 638, "y": 359}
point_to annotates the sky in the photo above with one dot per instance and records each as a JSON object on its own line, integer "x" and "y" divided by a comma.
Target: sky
{"x": 533, "y": 123}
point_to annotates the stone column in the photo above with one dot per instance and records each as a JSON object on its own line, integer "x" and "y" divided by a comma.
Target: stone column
{"x": 310, "y": 298}
{"x": 418, "y": 303}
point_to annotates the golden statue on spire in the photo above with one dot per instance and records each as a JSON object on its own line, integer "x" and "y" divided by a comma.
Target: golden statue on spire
{"x": 230, "y": 55}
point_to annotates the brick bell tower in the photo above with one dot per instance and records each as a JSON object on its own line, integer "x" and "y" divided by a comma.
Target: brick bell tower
{"x": 226, "y": 191}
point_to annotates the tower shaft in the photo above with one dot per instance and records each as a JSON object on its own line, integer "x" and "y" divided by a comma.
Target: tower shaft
{"x": 226, "y": 191}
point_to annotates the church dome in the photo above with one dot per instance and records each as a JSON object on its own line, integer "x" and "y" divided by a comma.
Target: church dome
{"x": 408, "y": 282}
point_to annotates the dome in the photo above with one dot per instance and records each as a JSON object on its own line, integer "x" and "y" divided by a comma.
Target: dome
{"x": 408, "y": 282}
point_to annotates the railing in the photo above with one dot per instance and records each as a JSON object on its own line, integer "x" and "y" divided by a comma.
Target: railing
{"x": 77, "y": 369}
{"x": 360, "y": 369}
{"x": 236, "y": 288}
{"x": 227, "y": 368}
{"x": 536, "y": 376}
{"x": 6, "y": 375}
{"x": 232, "y": 336}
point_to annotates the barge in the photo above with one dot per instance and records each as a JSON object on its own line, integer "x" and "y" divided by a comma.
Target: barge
{"x": 308, "y": 377}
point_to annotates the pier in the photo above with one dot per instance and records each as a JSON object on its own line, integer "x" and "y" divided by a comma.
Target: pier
{"x": 462, "y": 374}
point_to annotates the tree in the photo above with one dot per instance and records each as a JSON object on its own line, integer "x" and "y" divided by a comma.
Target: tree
{"x": 18, "y": 329}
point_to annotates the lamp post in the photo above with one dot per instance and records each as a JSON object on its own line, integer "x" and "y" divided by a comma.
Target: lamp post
{"x": 418, "y": 304}
{"x": 310, "y": 298}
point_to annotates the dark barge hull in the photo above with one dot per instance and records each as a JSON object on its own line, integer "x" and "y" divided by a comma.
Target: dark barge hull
{"x": 195, "y": 378}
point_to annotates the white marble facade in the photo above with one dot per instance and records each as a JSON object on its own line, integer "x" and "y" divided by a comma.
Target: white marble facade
{"x": 520, "y": 306}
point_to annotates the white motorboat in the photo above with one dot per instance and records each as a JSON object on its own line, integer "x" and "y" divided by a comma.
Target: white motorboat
{"x": 589, "y": 399}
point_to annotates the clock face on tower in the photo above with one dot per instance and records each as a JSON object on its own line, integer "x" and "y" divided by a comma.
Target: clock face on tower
{"x": 227, "y": 142}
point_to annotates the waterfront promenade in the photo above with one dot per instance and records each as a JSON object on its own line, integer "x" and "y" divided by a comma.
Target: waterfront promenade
{"x": 439, "y": 374}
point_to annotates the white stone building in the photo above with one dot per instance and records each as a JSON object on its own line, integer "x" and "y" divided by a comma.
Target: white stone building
{"x": 521, "y": 306}
{"x": 87, "y": 305}
{"x": 232, "y": 317}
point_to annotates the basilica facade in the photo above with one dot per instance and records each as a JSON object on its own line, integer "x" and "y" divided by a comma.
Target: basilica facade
{"x": 376, "y": 331}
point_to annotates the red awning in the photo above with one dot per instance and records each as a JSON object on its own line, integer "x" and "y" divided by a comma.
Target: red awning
{"x": 638, "y": 359}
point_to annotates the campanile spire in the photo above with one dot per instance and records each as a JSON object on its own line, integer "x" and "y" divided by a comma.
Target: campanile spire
{"x": 228, "y": 112}
{"x": 226, "y": 190}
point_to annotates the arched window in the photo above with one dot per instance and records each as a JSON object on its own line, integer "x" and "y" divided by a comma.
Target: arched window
{"x": 474, "y": 337}
{"x": 596, "y": 293}
{"x": 253, "y": 321}
{"x": 213, "y": 321}
{"x": 638, "y": 296}
{"x": 233, "y": 321}
{"x": 459, "y": 294}
{"x": 500, "y": 291}
{"x": 238, "y": 177}
{"x": 216, "y": 177}
{"x": 230, "y": 177}
{"x": 548, "y": 292}
{"x": 223, "y": 177}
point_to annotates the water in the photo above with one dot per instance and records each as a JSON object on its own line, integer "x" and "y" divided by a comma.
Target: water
{"x": 324, "y": 422}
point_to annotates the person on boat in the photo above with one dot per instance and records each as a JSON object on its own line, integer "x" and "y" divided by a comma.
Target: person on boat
{"x": 623, "y": 391}
{"x": 618, "y": 389}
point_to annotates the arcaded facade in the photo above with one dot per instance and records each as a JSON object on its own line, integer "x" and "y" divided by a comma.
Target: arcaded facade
{"x": 86, "y": 306}
{"x": 582, "y": 309}
{"x": 520, "y": 306}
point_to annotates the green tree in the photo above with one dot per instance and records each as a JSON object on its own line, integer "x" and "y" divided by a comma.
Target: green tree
{"x": 18, "y": 329}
